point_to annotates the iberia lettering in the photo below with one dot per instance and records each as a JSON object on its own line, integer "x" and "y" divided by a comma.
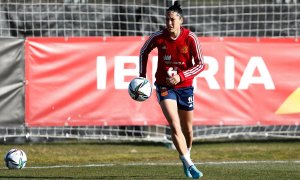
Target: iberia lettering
{"x": 255, "y": 73}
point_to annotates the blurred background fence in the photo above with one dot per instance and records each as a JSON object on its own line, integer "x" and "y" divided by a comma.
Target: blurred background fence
{"x": 85, "y": 18}
{"x": 243, "y": 18}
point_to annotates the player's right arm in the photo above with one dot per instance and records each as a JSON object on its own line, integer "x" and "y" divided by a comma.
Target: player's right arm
{"x": 145, "y": 51}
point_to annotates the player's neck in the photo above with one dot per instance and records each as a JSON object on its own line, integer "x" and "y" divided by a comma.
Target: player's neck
{"x": 175, "y": 34}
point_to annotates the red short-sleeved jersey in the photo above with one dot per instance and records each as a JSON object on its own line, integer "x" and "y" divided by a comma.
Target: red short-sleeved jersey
{"x": 175, "y": 56}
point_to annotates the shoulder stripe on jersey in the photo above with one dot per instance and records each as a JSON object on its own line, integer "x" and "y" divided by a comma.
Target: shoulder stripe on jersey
{"x": 146, "y": 45}
{"x": 198, "y": 67}
{"x": 198, "y": 47}
{"x": 150, "y": 39}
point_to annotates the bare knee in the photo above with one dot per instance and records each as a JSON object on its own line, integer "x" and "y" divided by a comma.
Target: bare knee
{"x": 175, "y": 128}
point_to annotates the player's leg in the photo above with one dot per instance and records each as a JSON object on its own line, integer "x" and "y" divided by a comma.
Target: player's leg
{"x": 186, "y": 121}
{"x": 169, "y": 108}
{"x": 185, "y": 101}
{"x": 186, "y": 115}
{"x": 186, "y": 118}
{"x": 167, "y": 100}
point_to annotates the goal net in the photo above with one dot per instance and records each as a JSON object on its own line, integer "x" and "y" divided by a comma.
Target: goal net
{"x": 83, "y": 18}
{"x": 42, "y": 18}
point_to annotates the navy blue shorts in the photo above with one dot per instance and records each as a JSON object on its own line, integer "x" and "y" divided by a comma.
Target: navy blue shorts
{"x": 183, "y": 96}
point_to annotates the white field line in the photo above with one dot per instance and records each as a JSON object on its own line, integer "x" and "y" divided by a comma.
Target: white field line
{"x": 160, "y": 164}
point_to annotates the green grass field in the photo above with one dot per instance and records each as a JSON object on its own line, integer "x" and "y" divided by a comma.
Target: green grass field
{"x": 239, "y": 160}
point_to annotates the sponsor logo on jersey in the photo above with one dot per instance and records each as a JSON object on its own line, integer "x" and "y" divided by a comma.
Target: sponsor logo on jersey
{"x": 175, "y": 62}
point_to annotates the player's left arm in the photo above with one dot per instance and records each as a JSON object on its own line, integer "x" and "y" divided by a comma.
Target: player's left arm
{"x": 196, "y": 51}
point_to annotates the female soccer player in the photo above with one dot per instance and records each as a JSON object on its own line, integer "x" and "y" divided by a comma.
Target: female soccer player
{"x": 177, "y": 46}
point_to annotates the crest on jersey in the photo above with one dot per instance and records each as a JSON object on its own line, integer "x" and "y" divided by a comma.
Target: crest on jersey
{"x": 184, "y": 50}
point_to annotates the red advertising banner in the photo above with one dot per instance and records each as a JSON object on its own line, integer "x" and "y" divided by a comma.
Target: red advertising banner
{"x": 83, "y": 81}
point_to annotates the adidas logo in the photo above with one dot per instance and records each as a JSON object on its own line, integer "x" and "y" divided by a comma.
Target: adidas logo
{"x": 167, "y": 57}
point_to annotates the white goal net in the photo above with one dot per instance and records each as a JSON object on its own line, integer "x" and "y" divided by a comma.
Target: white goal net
{"x": 78, "y": 18}
{"x": 263, "y": 18}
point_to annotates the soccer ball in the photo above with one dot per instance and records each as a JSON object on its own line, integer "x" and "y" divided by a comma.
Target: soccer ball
{"x": 15, "y": 159}
{"x": 140, "y": 89}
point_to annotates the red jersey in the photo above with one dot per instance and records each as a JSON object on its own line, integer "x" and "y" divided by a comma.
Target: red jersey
{"x": 175, "y": 56}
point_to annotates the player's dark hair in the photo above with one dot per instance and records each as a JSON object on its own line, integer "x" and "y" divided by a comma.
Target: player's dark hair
{"x": 175, "y": 8}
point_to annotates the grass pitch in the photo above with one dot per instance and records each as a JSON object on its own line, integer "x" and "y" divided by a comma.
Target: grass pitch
{"x": 248, "y": 160}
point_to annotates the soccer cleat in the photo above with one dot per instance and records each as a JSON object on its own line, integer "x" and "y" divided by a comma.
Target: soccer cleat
{"x": 196, "y": 174}
{"x": 186, "y": 169}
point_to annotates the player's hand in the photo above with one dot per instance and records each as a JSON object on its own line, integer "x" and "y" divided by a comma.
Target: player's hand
{"x": 174, "y": 80}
